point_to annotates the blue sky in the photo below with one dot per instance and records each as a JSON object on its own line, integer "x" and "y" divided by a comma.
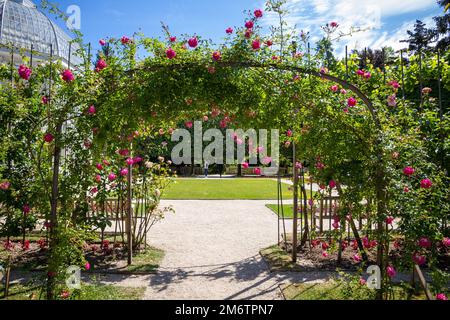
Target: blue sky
{"x": 386, "y": 21}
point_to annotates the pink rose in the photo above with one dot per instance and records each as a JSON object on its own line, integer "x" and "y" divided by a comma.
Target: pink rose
{"x": 92, "y": 111}
{"x": 216, "y": 56}
{"x": 49, "y": 138}
{"x": 173, "y": 39}
{"x": 87, "y": 266}
{"x": 390, "y": 220}
{"x": 98, "y": 178}
{"x": 360, "y": 73}
{"x": 257, "y": 171}
{"x": 335, "y": 88}
{"x": 229, "y": 30}
{"x": 245, "y": 165}
{"x": 258, "y": 13}
{"x": 26, "y": 209}
{"x": 248, "y": 33}
{"x": 189, "y": 124}
{"x": 441, "y": 297}
{"x": 357, "y": 258}
{"x": 100, "y": 65}
{"x": 130, "y": 161}
{"x": 392, "y": 101}
{"x": 249, "y": 24}
{"x": 446, "y": 242}
{"x": 5, "y": 185}
{"x": 124, "y": 172}
{"x": 419, "y": 259}
{"x": 99, "y": 166}
{"x": 24, "y": 72}
{"x": 425, "y": 243}
{"x": 391, "y": 272}
{"x": 332, "y": 184}
{"x": 125, "y": 40}
{"x": 67, "y": 76}
{"x": 426, "y": 184}
{"x": 102, "y": 42}
{"x": 334, "y": 24}
{"x": 352, "y": 102}
{"x": 256, "y": 45}
{"x": 394, "y": 84}
{"x": 170, "y": 53}
{"x": 409, "y": 171}
{"x": 124, "y": 152}
{"x": 193, "y": 42}
{"x": 112, "y": 177}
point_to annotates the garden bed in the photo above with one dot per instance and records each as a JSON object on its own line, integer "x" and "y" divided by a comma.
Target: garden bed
{"x": 312, "y": 260}
{"x": 36, "y": 291}
{"x": 101, "y": 257}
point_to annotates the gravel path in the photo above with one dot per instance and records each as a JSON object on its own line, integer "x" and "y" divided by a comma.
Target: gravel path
{"x": 212, "y": 252}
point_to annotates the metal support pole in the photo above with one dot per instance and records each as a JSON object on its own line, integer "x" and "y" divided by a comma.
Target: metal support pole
{"x": 129, "y": 224}
{"x": 403, "y": 75}
{"x": 295, "y": 227}
{"x": 441, "y": 110}
{"x": 346, "y": 63}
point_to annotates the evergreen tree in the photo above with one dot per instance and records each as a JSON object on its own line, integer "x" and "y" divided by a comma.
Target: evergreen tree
{"x": 421, "y": 38}
{"x": 443, "y": 26}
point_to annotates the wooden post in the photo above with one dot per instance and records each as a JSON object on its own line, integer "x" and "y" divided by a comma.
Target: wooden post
{"x": 7, "y": 281}
{"x": 423, "y": 282}
{"x": 129, "y": 222}
{"x": 295, "y": 227}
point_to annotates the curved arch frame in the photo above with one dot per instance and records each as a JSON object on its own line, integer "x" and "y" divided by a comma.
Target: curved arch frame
{"x": 380, "y": 175}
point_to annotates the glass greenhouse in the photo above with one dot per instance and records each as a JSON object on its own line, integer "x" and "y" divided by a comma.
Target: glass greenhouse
{"x": 23, "y": 25}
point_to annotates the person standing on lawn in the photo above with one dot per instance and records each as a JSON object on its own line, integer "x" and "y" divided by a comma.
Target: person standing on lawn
{"x": 206, "y": 167}
{"x": 220, "y": 167}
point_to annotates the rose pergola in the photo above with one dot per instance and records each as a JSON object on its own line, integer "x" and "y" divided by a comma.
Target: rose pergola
{"x": 80, "y": 127}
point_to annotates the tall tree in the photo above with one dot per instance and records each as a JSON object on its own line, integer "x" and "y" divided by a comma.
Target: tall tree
{"x": 443, "y": 26}
{"x": 420, "y": 39}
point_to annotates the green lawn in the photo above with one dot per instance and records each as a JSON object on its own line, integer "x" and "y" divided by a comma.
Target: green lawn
{"x": 225, "y": 189}
{"x": 94, "y": 292}
{"x": 339, "y": 290}
{"x": 287, "y": 208}
{"x": 147, "y": 261}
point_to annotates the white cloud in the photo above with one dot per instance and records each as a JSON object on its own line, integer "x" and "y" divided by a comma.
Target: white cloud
{"x": 369, "y": 15}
